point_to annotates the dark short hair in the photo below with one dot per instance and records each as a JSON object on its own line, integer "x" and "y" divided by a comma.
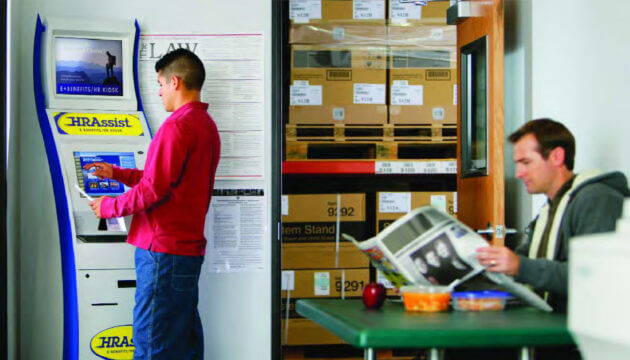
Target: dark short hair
{"x": 184, "y": 64}
{"x": 550, "y": 134}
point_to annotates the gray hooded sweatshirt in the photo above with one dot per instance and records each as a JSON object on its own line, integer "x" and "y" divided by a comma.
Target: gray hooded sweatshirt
{"x": 592, "y": 205}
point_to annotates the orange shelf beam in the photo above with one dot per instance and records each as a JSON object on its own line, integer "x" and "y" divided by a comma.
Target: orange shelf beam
{"x": 328, "y": 167}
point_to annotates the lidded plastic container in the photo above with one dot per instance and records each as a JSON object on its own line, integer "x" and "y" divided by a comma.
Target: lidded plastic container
{"x": 426, "y": 298}
{"x": 479, "y": 300}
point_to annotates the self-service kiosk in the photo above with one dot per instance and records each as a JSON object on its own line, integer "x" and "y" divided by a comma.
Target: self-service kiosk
{"x": 89, "y": 109}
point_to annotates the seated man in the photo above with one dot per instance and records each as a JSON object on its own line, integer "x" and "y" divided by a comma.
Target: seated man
{"x": 577, "y": 204}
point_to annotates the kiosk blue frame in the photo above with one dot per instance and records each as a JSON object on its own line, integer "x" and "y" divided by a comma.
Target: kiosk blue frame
{"x": 61, "y": 181}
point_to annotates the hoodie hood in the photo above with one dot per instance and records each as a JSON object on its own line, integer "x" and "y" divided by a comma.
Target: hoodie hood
{"x": 615, "y": 180}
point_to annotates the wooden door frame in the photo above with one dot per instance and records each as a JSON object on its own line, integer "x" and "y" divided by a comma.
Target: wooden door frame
{"x": 475, "y": 28}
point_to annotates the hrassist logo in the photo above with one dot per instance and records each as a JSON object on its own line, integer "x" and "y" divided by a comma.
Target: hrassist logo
{"x": 98, "y": 124}
{"x": 115, "y": 343}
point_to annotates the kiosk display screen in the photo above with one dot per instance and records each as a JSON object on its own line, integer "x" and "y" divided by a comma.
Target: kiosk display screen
{"x": 88, "y": 66}
{"x": 91, "y": 183}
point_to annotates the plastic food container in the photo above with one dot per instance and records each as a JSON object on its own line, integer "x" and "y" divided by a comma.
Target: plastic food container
{"x": 426, "y": 298}
{"x": 479, "y": 300}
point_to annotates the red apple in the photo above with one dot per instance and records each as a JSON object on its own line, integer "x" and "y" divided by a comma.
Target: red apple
{"x": 373, "y": 295}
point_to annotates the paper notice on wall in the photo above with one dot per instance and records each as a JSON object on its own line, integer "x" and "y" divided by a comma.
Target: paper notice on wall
{"x": 236, "y": 226}
{"x": 234, "y": 88}
{"x": 248, "y": 116}
{"x": 241, "y": 143}
{"x": 240, "y": 168}
{"x": 368, "y": 9}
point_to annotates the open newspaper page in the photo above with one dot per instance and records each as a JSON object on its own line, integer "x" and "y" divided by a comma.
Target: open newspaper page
{"x": 427, "y": 246}
{"x": 381, "y": 259}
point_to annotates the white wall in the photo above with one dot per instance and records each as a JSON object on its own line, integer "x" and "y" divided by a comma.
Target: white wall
{"x": 580, "y": 76}
{"x": 517, "y": 106}
{"x": 13, "y": 189}
{"x": 569, "y": 62}
{"x": 241, "y": 326}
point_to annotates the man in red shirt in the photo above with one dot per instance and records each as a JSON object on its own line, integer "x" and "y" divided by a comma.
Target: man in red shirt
{"x": 169, "y": 200}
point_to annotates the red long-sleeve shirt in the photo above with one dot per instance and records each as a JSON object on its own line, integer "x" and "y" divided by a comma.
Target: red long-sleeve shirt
{"x": 170, "y": 197}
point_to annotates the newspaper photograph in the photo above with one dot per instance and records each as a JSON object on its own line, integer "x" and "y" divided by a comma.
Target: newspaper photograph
{"x": 429, "y": 247}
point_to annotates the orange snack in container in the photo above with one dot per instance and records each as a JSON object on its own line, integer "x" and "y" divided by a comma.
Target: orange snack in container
{"x": 426, "y": 298}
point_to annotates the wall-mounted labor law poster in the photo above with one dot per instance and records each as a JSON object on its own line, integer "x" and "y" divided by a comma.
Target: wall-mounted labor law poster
{"x": 235, "y": 229}
{"x": 234, "y": 88}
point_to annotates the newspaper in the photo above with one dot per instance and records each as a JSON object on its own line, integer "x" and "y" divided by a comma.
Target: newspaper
{"x": 427, "y": 246}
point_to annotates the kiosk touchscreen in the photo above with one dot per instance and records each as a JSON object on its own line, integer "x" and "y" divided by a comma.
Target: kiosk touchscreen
{"x": 90, "y": 183}
{"x": 89, "y": 110}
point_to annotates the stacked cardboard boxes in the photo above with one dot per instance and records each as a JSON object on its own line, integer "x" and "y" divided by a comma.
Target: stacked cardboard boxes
{"x": 423, "y": 85}
{"x": 337, "y": 21}
{"x": 338, "y": 62}
{"x": 424, "y": 25}
{"x": 348, "y": 64}
{"x": 422, "y": 63}
{"x": 338, "y": 84}
{"x": 354, "y": 63}
{"x": 316, "y": 261}
{"x": 322, "y": 11}
{"x": 403, "y": 12}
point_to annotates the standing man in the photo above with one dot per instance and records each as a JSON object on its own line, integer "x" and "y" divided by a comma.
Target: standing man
{"x": 109, "y": 66}
{"x": 577, "y": 204}
{"x": 169, "y": 200}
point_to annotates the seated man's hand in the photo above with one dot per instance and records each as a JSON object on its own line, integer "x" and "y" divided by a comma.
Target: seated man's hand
{"x": 102, "y": 169}
{"x": 499, "y": 259}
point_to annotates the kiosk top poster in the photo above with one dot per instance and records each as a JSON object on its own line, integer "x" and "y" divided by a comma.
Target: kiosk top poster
{"x": 88, "y": 66}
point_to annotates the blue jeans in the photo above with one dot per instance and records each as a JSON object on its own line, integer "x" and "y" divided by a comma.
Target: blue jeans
{"x": 166, "y": 323}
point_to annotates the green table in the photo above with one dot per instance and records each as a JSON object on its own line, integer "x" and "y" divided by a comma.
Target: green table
{"x": 392, "y": 327}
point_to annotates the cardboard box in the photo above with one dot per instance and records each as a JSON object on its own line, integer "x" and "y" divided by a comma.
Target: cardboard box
{"x": 434, "y": 12}
{"x": 337, "y": 10}
{"x": 423, "y": 85}
{"x": 327, "y": 283}
{"x": 317, "y": 255}
{"x": 302, "y": 331}
{"x": 338, "y": 84}
{"x": 393, "y": 205}
{"x": 423, "y": 35}
{"x": 348, "y": 33}
{"x": 305, "y": 332}
{"x": 313, "y": 217}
